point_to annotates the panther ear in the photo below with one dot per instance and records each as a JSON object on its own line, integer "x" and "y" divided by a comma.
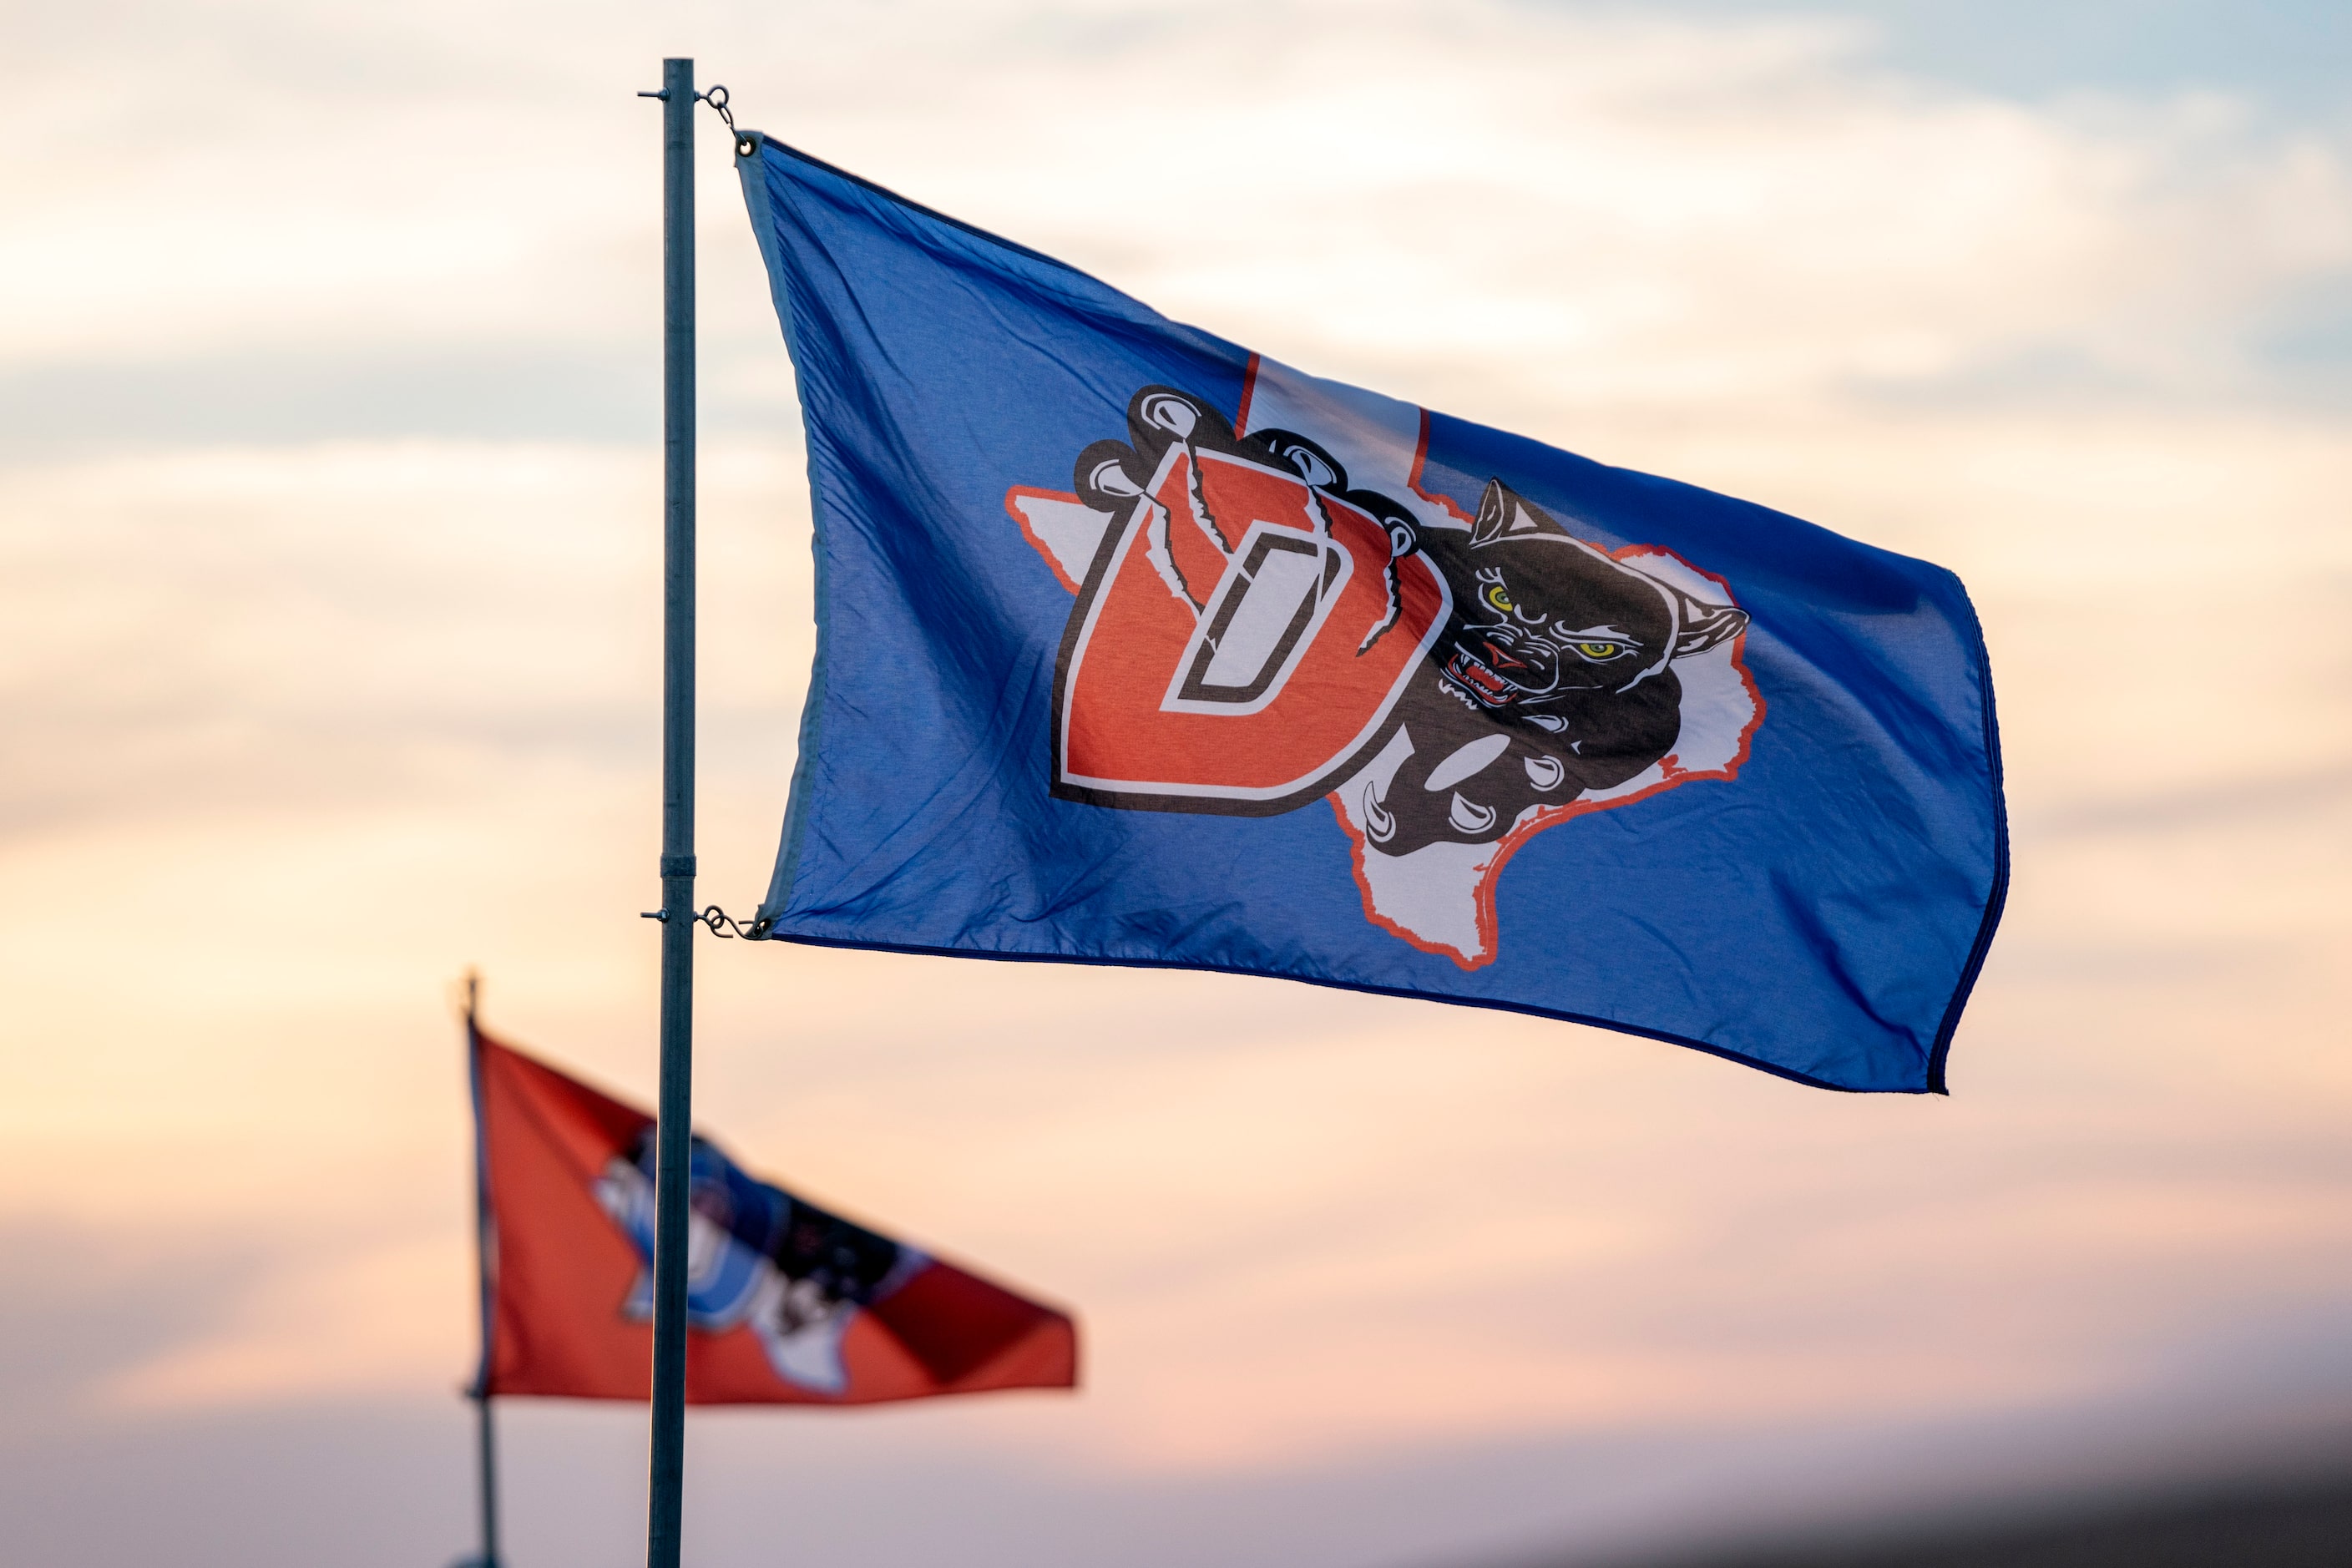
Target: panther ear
{"x": 1504, "y": 514}
{"x": 1488, "y": 524}
{"x": 1705, "y": 626}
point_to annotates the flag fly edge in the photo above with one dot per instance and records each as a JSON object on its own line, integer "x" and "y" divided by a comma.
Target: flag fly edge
{"x": 1996, "y": 900}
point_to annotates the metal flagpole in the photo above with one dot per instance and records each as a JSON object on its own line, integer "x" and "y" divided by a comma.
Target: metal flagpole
{"x": 672, "y": 1147}
{"x": 486, "y": 1443}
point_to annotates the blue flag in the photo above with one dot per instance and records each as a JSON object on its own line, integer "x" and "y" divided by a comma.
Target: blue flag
{"x": 1137, "y": 647}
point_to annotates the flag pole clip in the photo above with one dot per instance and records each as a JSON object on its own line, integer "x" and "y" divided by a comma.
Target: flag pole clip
{"x": 717, "y": 98}
{"x": 724, "y": 925}
{"x": 721, "y": 923}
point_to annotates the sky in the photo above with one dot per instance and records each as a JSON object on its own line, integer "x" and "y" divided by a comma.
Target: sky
{"x": 328, "y": 550}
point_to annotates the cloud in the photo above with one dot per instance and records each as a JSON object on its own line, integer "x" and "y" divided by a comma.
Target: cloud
{"x": 329, "y": 499}
{"x": 2289, "y": 796}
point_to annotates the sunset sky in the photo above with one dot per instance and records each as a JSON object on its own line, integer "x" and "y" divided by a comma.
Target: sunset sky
{"x": 328, "y": 575}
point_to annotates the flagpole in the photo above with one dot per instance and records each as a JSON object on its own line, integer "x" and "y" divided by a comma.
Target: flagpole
{"x": 486, "y": 1441}
{"x": 676, "y": 1113}
{"x": 487, "y": 1445}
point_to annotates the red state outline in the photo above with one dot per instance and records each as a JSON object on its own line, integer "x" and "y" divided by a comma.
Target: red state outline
{"x": 1029, "y": 534}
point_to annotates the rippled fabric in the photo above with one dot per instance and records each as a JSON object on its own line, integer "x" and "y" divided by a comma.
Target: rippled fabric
{"x": 1136, "y": 647}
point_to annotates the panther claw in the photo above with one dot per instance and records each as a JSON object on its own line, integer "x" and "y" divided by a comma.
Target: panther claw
{"x": 1468, "y": 817}
{"x": 1380, "y": 825}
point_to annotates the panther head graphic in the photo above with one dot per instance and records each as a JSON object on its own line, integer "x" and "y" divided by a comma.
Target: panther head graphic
{"x": 1553, "y": 678}
{"x": 1269, "y": 609}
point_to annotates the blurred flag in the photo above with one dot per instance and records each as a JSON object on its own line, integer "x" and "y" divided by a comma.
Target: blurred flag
{"x": 1290, "y": 673}
{"x": 787, "y": 1302}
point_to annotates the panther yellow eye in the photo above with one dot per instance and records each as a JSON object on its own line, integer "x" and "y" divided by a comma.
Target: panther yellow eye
{"x": 1598, "y": 649}
{"x": 1498, "y": 598}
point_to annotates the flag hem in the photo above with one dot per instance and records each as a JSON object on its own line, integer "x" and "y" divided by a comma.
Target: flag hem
{"x": 750, "y": 172}
{"x": 869, "y": 1402}
{"x": 1367, "y": 988}
{"x": 760, "y": 139}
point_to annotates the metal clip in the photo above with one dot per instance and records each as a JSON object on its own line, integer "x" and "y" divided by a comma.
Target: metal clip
{"x": 717, "y": 98}
{"x": 725, "y": 925}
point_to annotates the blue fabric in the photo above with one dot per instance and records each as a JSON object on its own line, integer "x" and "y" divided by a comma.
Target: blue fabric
{"x": 1814, "y": 900}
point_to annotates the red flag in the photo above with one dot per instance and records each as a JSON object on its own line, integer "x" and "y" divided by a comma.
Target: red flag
{"x": 788, "y": 1303}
